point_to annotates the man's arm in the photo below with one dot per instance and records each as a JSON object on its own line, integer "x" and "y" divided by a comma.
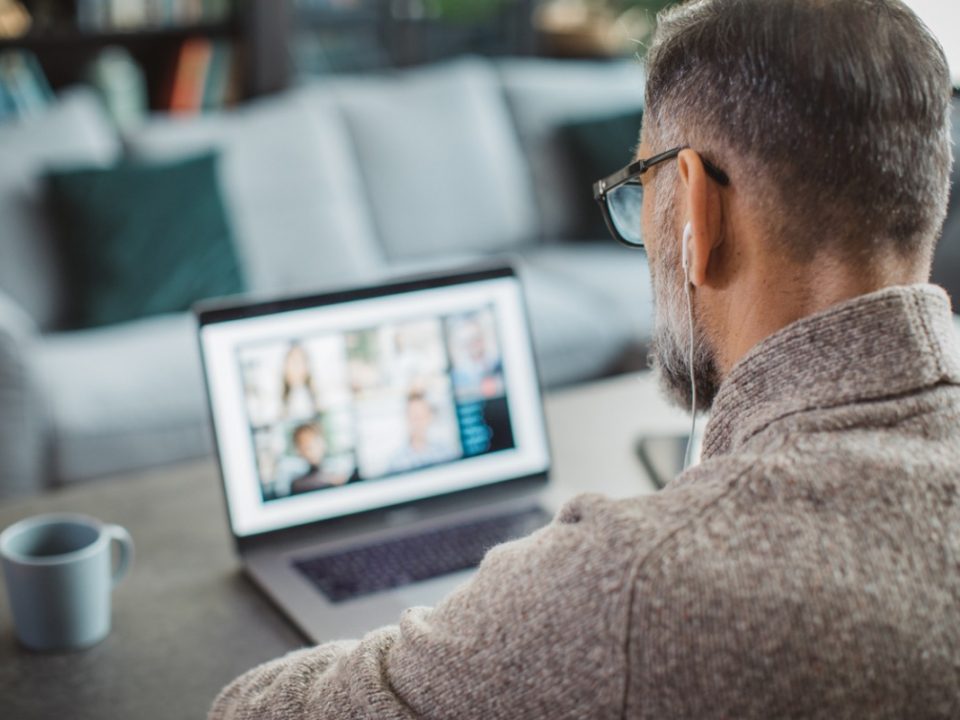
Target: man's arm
{"x": 539, "y": 632}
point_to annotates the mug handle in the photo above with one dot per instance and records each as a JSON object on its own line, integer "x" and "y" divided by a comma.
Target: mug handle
{"x": 124, "y": 544}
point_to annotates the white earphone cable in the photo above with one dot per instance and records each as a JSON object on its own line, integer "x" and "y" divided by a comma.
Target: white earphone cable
{"x": 688, "y": 456}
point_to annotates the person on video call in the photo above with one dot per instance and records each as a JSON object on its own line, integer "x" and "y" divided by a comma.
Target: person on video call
{"x": 311, "y": 446}
{"x": 423, "y": 446}
{"x": 299, "y": 393}
{"x": 476, "y": 370}
{"x": 809, "y": 567}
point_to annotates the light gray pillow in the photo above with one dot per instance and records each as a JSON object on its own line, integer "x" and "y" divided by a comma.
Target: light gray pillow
{"x": 23, "y": 442}
{"x": 440, "y": 157}
{"x": 73, "y": 132}
{"x": 291, "y": 187}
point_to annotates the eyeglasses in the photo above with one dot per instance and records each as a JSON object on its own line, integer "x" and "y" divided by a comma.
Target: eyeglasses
{"x": 621, "y": 196}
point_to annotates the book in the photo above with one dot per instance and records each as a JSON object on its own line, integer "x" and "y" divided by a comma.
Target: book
{"x": 39, "y": 85}
{"x": 216, "y": 10}
{"x": 92, "y": 15}
{"x": 190, "y": 76}
{"x": 219, "y": 74}
{"x": 25, "y": 86}
{"x": 8, "y": 108}
{"x": 120, "y": 81}
{"x": 126, "y": 14}
{"x": 100, "y": 15}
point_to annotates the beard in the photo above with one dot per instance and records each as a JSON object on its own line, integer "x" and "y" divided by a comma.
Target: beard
{"x": 670, "y": 350}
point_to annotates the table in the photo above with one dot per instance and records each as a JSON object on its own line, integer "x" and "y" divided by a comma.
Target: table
{"x": 186, "y": 621}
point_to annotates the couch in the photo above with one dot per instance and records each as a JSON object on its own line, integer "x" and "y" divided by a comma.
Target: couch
{"x": 337, "y": 182}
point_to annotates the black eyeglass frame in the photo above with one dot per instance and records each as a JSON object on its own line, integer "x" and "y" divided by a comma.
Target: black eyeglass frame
{"x": 629, "y": 175}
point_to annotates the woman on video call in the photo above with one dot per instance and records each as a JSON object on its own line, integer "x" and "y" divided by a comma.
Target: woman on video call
{"x": 299, "y": 391}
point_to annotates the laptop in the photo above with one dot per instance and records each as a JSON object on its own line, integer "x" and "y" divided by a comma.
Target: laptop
{"x": 374, "y": 443}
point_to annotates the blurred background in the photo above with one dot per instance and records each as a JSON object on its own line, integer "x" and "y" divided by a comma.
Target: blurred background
{"x": 246, "y": 48}
{"x": 156, "y": 153}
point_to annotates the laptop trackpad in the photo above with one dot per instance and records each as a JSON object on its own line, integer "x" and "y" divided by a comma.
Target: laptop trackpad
{"x": 431, "y": 592}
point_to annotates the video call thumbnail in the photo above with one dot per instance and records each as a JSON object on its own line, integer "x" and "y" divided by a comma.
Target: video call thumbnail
{"x": 369, "y": 404}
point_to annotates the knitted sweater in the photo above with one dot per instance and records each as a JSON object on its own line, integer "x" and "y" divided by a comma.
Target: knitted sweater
{"x": 808, "y": 567}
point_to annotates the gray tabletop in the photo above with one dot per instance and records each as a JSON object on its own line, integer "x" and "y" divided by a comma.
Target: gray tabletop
{"x": 186, "y": 621}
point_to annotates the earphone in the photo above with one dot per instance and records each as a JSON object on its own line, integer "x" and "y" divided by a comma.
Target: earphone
{"x": 688, "y": 287}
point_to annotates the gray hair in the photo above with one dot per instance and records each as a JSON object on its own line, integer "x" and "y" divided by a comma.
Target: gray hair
{"x": 833, "y": 115}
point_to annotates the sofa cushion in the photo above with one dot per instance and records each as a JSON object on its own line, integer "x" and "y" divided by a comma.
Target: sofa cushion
{"x": 143, "y": 239}
{"x": 544, "y": 95}
{"x": 440, "y": 159}
{"x": 590, "y": 309}
{"x": 590, "y": 305}
{"x": 124, "y": 397}
{"x": 599, "y": 147}
{"x": 72, "y": 132}
{"x": 22, "y": 437}
{"x": 290, "y": 184}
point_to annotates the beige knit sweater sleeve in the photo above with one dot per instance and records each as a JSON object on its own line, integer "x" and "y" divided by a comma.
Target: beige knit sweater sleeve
{"x": 548, "y": 611}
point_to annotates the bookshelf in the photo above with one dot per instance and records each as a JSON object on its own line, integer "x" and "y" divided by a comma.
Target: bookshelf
{"x": 76, "y": 39}
{"x": 254, "y": 29}
{"x": 275, "y": 41}
{"x": 356, "y": 35}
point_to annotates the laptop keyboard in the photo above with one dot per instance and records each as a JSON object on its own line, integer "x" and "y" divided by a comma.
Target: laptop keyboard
{"x": 368, "y": 569}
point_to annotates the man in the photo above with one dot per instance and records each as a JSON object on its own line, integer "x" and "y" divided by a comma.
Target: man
{"x": 423, "y": 447}
{"x": 810, "y": 565}
{"x": 311, "y": 446}
{"x": 477, "y": 372}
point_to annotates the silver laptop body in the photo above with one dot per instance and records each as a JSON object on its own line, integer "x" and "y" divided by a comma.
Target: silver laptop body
{"x": 374, "y": 442}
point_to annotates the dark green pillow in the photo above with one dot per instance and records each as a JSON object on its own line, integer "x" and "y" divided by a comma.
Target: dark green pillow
{"x": 599, "y": 146}
{"x": 143, "y": 239}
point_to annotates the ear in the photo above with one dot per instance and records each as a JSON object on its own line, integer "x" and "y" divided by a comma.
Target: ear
{"x": 701, "y": 199}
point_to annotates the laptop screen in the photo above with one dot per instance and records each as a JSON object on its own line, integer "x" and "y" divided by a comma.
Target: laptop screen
{"x": 339, "y": 404}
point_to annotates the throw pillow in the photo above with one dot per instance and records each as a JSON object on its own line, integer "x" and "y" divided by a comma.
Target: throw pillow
{"x": 143, "y": 239}
{"x": 599, "y": 147}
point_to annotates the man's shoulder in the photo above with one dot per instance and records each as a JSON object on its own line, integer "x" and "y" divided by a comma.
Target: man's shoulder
{"x": 827, "y": 562}
{"x": 640, "y": 524}
{"x": 774, "y": 508}
{"x": 600, "y": 538}
{"x": 722, "y": 508}
{"x": 804, "y": 513}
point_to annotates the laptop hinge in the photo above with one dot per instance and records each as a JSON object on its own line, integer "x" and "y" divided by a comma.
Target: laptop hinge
{"x": 399, "y": 515}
